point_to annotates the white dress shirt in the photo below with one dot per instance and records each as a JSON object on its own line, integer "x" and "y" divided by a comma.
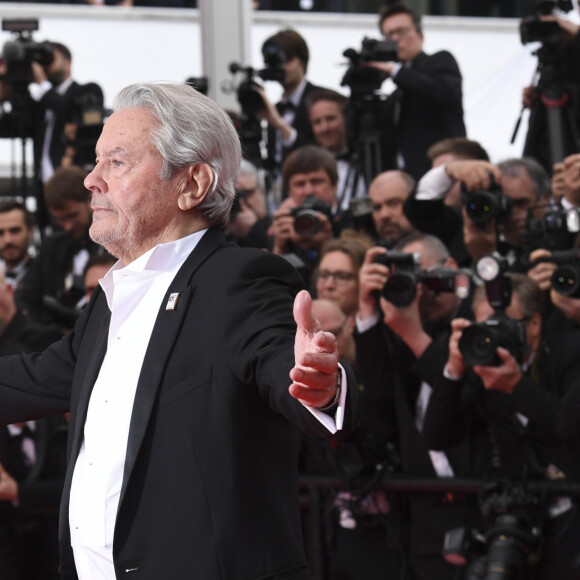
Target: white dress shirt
{"x": 134, "y": 293}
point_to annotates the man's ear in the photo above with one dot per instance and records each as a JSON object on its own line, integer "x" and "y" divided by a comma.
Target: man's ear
{"x": 198, "y": 180}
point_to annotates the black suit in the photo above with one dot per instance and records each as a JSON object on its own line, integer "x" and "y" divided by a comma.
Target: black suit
{"x": 29, "y": 531}
{"x": 392, "y": 377}
{"x": 210, "y": 487}
{"x": 302, "y": 125}
{"x": 46, "y": 285}
{"x": 428, "y": 104}
{"x": 457, "y": 410}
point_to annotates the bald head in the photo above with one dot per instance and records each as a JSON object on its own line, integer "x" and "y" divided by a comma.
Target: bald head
{"x": 387, "y": 192}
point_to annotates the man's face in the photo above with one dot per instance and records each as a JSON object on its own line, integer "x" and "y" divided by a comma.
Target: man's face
{"x": 400, "y": 27}
{"x": 434, "y": 307}
{"x": 316, "y": 183}
{"x": 387, "y": 193}
{"x": 133, "y": 208}
{"x": 15, "y": 237}
{"x": 254, "y": 195}
{"x": 294, "y": 74}
{"x": 74, "y": 217}
{"x": 327, "y": 120}
{"x": 338, "y": 281}
{"x": 521, "y": 191}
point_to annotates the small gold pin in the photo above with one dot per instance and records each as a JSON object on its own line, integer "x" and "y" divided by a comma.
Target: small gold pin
{"x": 172, "y": 302}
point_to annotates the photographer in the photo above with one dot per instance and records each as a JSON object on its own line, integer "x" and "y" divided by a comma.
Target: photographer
{"x": 511, "y": 401}
{"x": 434, "y": 206}
{"x": 427, "y": 105}
{"x": 249, "y": 217}
{"x": 326, "y": 110}
{"x": 54, "y": 284}
{"x": 288, "y": 122}
{"x": 58, "y": 97}
{"x": 401, "y": 350}
{"x": 310, "y": 216}
{"x": 495, "y": 204}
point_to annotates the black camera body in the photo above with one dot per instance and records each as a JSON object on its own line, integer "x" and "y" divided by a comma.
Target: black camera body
{"x": 274, "y": 59}
{"x": 21, "y": 52}
{"x": 365, "y": 80}
{"x": 306, "y": 221}
{"x": 480, "y": 340}
{"x": 485, "y": 205}
{"x": 401, "y": 287}
{"x": 516, "y": 518}
{"x": 565, "y": 278}
{"x": 533, "y": 29}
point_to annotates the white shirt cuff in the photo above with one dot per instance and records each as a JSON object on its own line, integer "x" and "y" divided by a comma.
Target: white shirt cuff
{"x": 334, "y": 424}
{"x": 435, "y": 184}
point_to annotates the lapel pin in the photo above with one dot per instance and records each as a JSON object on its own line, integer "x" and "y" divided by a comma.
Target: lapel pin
{"x": 172, "y": 302}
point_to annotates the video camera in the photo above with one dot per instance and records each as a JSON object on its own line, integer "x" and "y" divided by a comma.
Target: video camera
{"x": 365, "y": 80}
{"x": 274, "y": 59}
{"x": 306, "y": 221}
{"x": 485, "y": 205}
{"x": 479, "y": 341}
{"x": 405, "y": 273}
{"x": 534, "y": 29}
{"x": 20, "y": 53}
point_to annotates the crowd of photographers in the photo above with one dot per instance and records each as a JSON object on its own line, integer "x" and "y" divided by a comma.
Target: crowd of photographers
{"x": 458, "y": 284}
{"x": 451, "y": 282}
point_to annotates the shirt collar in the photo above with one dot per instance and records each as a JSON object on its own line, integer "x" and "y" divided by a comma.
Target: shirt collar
{"x": 162, "y": 258}
{"x": 296, "y": 96}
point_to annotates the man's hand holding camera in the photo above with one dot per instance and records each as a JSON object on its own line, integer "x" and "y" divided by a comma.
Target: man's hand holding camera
{"x": 476, "y": 175}
{"x": 503, "y": 377}
{"x": 403, "y": 321}
{"x": 285, "y": 234}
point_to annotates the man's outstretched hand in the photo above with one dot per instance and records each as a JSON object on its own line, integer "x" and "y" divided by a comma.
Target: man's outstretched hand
{"x": 316, "y": 358}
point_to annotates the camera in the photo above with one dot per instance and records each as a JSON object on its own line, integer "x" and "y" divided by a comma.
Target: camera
{"x": 565, "y": 278}
{"x": 401, "y": 287}
{"x": 365, "y": 80}
{"x": 533, "y": 29}
{"x": 516, "y": 518}
{"x": 485, "y": 205}
{"x": 405, "y": 273}
{"x": 22, "y": 51}
{"x": 479, "y": 341}
{"x": 274, "y": 59}
{"x": 306, "y": 220}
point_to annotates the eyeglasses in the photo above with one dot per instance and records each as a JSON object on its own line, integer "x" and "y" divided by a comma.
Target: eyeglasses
{"x": 339, "y": 277}
{"x": 397, "y": 32}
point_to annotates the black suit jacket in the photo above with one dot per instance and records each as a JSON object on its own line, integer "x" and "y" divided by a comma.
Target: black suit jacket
{"x": 430, "y": 97}
{"x": 61, "y": 106}
{"x": 301, "y": 123}
{"x": 210, "y": 486}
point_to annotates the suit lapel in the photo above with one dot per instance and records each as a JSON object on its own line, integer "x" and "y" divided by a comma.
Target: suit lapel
{"x": 165, "y": 332}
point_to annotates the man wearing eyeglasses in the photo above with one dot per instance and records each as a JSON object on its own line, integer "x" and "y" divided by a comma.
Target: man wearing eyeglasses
{"x": 427, "y": 104}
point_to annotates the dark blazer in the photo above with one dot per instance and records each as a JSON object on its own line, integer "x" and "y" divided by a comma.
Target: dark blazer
{"x": 210, "y": 487}
{"x": 430, "y": 96}
{"x": 29, "y": 531}
{"x": 301, "y": 123}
